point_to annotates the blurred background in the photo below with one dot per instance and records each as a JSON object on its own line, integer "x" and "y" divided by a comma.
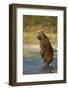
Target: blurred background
{"x": 33, "y": 24}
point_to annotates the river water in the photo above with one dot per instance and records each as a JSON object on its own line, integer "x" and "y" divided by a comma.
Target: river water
{"x": 34, "y": 64}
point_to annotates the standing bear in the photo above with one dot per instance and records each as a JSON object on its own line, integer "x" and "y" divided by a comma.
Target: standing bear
{"x": 46, "y": 48}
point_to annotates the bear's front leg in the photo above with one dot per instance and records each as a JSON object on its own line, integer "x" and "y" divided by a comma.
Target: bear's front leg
{"x": 42, "y": 54}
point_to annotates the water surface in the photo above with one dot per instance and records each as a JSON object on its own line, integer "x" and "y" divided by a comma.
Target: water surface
{"x": 34, "y": 64}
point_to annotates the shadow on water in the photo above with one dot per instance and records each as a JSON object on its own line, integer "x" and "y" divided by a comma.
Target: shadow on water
{"x": 34, "y": 64}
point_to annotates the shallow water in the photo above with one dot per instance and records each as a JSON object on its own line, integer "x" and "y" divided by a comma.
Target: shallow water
{"x": 34, "y": 64}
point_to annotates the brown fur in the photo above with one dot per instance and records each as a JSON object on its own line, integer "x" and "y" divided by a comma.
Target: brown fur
{"x": 46, "y": 48}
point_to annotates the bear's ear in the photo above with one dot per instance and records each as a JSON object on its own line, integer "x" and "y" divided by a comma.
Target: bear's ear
{"x": 43, "y": 34}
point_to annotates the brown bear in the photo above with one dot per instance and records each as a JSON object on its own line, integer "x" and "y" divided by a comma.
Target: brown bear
{"x": 46, "y": 48}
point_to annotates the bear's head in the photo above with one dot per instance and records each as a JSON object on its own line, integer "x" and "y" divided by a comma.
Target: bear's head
{"x": 41, "y": 35}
